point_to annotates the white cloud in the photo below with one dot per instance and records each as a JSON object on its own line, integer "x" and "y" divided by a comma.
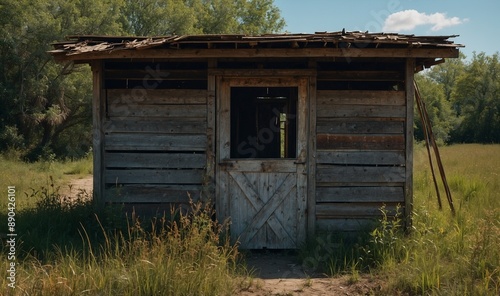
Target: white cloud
{"x": 409, "y": 19}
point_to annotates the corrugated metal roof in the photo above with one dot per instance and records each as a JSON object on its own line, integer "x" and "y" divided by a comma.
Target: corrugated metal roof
{"x": 81, "y": 44}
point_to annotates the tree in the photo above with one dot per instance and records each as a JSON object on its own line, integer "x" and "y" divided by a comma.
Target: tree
{"x": 477, "y": 100}
{"x": 46, "y": 110}
{"x": 167, "y": 17}
{"x": 41, "y": 99}
{"x": 442, "y": 117}
{"x": 446, "y": 74}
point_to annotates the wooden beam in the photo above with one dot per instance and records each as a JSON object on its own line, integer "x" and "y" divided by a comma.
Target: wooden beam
{"x": 312, "y": 154}
{"x": 262, "y": 72}
{"x": 262, "y": 53}
{"x": 410, "y": 95}
{"x": 210, "y": 180}
{"x": 98, "y": 113}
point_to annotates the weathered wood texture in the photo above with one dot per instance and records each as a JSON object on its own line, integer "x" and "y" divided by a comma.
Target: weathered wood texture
{"x": 360, "y": 162}
{"x": 156, "y": 142}
{"x": 265, "y": 198}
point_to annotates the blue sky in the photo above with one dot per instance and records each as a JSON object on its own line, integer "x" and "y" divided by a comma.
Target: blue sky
{"x": 477, "y": 22}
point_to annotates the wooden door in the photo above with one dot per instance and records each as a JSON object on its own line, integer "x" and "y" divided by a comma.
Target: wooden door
{"x": 261, "y": 171}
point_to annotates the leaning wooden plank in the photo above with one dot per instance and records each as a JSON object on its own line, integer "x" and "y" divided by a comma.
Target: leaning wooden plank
{"x": 142, "y": 96}
{"x": 360, "y": 142}
{"x": 344, "y": 126}
{"x": 137, "y": 176}
{"x": 154, "y": 160}
{"x": 353, "y": 210}
{"x": 153, "y": 142}
{"x": 153, "y": 193}
{"x": 382, "y": 194}
{"x": 163, "y": 111}
{"x": 361, "y": 97}
{"x": 359, "y": 174}
{"x": 180, "y": 126}
{"x": 361, "y": 111}
{"x": 367, "y": 157}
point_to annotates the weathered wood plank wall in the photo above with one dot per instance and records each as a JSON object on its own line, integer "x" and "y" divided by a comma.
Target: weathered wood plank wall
{"x": 360, "y": 157}
{"x": 155, "y": 134}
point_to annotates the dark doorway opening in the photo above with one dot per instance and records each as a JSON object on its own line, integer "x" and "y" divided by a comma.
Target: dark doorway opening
{"x": 264, "y": 122}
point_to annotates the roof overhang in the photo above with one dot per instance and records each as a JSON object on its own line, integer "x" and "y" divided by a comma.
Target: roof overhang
{"x": 83, "y": 49}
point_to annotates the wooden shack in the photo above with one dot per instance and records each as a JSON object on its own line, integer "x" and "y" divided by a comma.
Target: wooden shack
{"x": 287, "y": 133}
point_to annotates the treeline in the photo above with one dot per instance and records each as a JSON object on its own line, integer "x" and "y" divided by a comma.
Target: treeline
{"x": 463, "y": 99}
{"x": 45, "y": 107}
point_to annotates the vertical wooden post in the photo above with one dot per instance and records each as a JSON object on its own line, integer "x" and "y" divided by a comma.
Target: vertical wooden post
{"x": 210, "y": 152}
{"x": 98, "y": 113}
{"x": 222, "y": 103}
{"x": 311, "y": 159}
{"x": 410, "y": 96}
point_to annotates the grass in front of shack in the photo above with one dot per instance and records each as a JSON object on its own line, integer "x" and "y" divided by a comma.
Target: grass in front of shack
{"x": 444, "y": 254}
{"x": 69, "y": 247}
{"x": 66, "y": 249}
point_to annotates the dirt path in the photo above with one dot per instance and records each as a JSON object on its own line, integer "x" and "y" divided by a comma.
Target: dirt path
{"x": 279, "y": 273}
{"x": 82, "y": 186}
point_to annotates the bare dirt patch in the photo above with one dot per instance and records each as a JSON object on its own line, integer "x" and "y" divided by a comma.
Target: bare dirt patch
{"x": 279, "y": 273}
{"x": 78, "y": 188}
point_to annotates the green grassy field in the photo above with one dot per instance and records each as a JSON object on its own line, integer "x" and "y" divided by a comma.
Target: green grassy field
{"x": 28, "y": 176}
{"x": 67, "y": 250}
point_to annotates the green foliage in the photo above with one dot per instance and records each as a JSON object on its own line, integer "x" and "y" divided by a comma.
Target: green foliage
{"x": 441, "y": 115}
{"x": 452, "y": 255}
{"x": 442, "y": 254}
{"x": 464, "y": 99}
{"x": 46, "y": 107}
{"x": 477, "y": 97}
{"x": 64, "y": 249}
{"x": 153, "y": 17}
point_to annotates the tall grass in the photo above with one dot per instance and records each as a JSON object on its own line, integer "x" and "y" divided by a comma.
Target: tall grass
{"x": 27, "y": 176}
{"x": 443, "y": 254}
{"x": 67, "y": 250}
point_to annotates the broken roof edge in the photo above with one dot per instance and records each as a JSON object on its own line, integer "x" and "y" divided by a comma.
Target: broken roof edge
{"x": 320, "y": 44}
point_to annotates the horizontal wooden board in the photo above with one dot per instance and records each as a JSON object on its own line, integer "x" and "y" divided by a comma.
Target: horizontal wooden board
{"x": 154, "y": 160}
{"x": 265, "y": 166}
{"x": 343, "y": 126}
{"x": 360, "y": 75}
{"x": 325, "y": 52}
{"x": 369, "y": 157}
{"x": 152, "y": 76}
{"x": 153, "y": 193}
{"x": 353, "y": 210}
{"x": 360, "y": 97}
{"x": 141, "y": 96}
{"x": 360, "y": 111}
{"x": 360, "y": 142}
{"x": 153, "y": 142}
{"x": 359, "y": 174}
{"x": 194, "y": 126}
{"x": 360, "y": 194}
{"x": 346, "y": 224}
{"x": 137, "y": 176}
{"x": 161, "y": 111}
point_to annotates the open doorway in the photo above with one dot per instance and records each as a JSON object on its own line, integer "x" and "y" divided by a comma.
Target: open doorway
{"x": 263, "y": 122}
